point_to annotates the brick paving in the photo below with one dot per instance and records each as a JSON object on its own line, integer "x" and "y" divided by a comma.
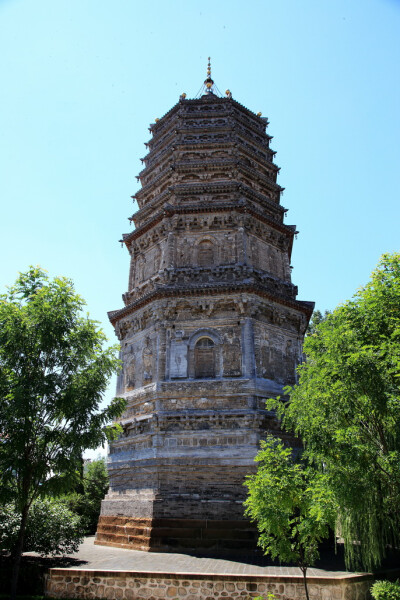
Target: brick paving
{"x": 105, "y": 558}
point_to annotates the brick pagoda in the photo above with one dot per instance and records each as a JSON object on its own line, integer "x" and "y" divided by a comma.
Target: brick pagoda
{"x": 210, "y": 329}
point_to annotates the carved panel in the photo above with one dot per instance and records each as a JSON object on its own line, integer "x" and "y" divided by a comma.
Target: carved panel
{"x": 178, "y": 359}
{"x": 277, "y": 355}
{"x": 232, "y": 354}
{"x": 147, "y": 362}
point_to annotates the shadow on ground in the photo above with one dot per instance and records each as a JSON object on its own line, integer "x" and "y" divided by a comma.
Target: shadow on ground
{"x": 331, "y": 559}
{"x": 33, "y": 568}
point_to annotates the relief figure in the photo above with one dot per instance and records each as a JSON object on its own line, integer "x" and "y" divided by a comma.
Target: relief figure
{"x": 232, "y": 355}
{"x": 147, "y": 360}
{"x": 267, "y": 368}
{"x": 130, "y": 375}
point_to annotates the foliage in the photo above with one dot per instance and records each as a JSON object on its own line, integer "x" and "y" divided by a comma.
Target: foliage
{"x": 9, "y": 526}
{"x": 346, "y": 409}
{"x": 53, "y": 374}
{"x": 87, "y": 504}
{"x": 290, "y": 504}
{"x": 96, "y": 484}
{"x": 316, "y": 319}
{"x": 386, "y": 590}
{"x": 51, "y": 528}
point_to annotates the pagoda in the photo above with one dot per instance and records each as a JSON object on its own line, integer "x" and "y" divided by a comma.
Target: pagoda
{"x": 210, "y": 329}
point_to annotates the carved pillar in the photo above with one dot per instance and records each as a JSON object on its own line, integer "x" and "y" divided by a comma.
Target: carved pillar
{"x": 161, "y": 350}
{"x": 249, "y": 367}
{"x": 132, "y": 268}
{"x": 120, "y": 378}
{"x": 242, "y": 245}
{"x": 286, "y": 267}
{"x": 170, "y": 250}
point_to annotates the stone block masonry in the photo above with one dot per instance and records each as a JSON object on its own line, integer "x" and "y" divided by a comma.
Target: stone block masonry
{"x": 131, "y": 585}
{"x": 168, "y": 534}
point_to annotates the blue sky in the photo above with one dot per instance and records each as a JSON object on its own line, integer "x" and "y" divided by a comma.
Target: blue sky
{"x": 82, "y": 79}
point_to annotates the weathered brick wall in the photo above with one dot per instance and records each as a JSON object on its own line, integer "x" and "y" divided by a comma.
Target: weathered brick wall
{"x": 126, "y": 585}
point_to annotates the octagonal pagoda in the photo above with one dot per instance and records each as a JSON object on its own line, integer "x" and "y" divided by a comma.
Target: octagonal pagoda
{"x": 210, "y": 329}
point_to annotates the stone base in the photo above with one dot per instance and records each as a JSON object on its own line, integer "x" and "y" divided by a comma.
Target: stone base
{"x": 165, "y": 535}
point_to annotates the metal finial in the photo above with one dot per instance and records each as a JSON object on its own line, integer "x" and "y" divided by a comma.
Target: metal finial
{"x": 209, "y": 82}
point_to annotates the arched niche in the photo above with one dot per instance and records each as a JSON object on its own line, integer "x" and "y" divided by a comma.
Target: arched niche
{"x": 205, "y": 357}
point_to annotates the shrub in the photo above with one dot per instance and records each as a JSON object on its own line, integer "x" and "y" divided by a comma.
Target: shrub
{"x": 51, "y": 528}
{"x": 9, "y": 526}
{"x": 386, "y": 590}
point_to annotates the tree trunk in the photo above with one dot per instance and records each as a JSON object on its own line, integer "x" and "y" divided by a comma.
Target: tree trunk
{"x": 304, "y": 571}
{"x": 17, "y": 552}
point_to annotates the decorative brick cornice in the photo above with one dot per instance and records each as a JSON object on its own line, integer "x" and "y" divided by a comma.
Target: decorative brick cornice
{"x": 209, "y": 290}
{"x": 242, "y": 208}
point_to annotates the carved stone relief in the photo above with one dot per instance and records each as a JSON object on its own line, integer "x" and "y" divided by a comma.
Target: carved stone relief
{"x": 130, "y": 380}
{"x": 141, "y": 263}
{"x": 178, "y": 357}
{"x": 147, "y": 362}
{"x": 228, "y": 250}
{"x": 232, "y": 355}
{"x": 263, "y": 357}
{"x": 185, "y": 253}
{"x": 276, "y": 356}
{"x": 122, "y": 328}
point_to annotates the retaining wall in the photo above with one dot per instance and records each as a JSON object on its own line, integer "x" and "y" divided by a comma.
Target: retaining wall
{"x": 132, "y": 585}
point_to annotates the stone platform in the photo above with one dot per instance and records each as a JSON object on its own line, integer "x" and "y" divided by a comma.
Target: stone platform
{"x": 116, "y": 573}
{"x": 163, "y": 535}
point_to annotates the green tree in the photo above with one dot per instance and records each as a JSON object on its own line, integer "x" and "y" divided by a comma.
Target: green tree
{"x": 316, "y": 319}
{"x": 53, "y": 374}
{"x": 291, "y": 505}
{"x": 346, "y": 409}
{"x": 95, "y": 483}
{"x": 94, "y": 486}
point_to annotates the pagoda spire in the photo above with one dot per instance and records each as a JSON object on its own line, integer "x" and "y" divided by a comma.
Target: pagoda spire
{"x": 208, "y": 82}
